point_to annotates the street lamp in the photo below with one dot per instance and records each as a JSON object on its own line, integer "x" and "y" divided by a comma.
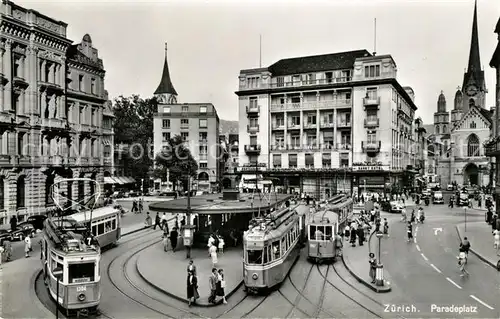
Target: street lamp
{"x": 188, "y": 229}
{"x": 58, "y": 273}
{"x": 142, "y": 181}
{"x": 379, "y": 275}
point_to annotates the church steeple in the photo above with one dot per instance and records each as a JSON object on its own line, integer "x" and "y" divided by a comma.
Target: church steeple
{"x": 441, "y": 104}
{"x": 474, "y": 58}
{"x": 166, "y": 92}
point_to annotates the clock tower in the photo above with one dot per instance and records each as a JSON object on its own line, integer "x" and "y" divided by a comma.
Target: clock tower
{"x": 474, "y": 86}
{"x": 166, "y": 93}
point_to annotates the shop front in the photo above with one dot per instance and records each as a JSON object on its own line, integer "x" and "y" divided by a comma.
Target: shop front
{"x": 369, "y": 179}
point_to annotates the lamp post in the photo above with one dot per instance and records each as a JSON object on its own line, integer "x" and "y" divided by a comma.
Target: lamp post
{"x": 465, "y": 210}
{"x": 379, "y": 275}
{"x": 188, "y": 229}
{"x": 142, "y": 182}
{"x": 58, "y": 273}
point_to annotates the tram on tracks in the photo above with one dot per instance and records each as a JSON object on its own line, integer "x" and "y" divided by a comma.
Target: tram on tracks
{"x": 70, "y": 259}
{"x": 323, "y": 225}
{"x": 105, "y": 224}
{"x": 271, "y": 247}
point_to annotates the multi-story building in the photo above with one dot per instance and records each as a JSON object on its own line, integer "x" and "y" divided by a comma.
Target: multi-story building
{"x": 54, "y": 116}
{"x": 197, "y": 123}
{"x": 327, "y": 123}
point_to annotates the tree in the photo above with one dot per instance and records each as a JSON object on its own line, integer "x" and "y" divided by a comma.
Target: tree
{"x": 133, "y": 126}
{"x": 178, "y": 160}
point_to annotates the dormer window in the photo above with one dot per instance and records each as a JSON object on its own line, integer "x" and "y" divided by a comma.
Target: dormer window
{"x": 372, "y": 71}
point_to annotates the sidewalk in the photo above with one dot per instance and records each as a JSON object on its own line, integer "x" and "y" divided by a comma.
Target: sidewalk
{"x": 481, "y": 239}
{"x": 167, "y": 271}
{"x": 355, "y": 260}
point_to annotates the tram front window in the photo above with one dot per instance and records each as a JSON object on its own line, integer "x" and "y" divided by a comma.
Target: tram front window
{"x": 81, "y": 272}
{"x": 319, "y": 233}
{"x": 254, "y": 257}
{"x": 328, "y": 232}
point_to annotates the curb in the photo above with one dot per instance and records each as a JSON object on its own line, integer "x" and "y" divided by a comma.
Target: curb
{"x": 46, "y": 312}
{"x": 204, "y": 305}
{"x": 481, "y": 257}
{"x": 364, "y": 282}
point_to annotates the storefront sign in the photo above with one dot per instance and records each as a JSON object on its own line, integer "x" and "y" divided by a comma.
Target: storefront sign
{"x": 370, "y": 168}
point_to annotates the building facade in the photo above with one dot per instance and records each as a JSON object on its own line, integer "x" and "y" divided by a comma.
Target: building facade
{"x": 53, "y": 117}
{"x": 197, "y": 123}
{"x": 327, "y": 124}
{"x": 457, "y": 140}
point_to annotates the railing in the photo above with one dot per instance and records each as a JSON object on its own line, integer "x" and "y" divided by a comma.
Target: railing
{"x": 203, "y": 157}
{"x": 184, "y": 125}
{"x": 253, "y": 129}
{"x": 278, "y": 127}
{"x": 344, "y": 124}
{"x": 372, "y": 146}
{"x": 253, "y": 108}
{"x": 306, "y": 147}
{"x": 313, "y": 105}
{"x": 293, "y": 126}
{"x": 252, "y": 148}
{"x": 371, "y": 122}
{"x": 371, "y": 101}
{"x": 327, "y": 125}
{"x": 310, "y": 125}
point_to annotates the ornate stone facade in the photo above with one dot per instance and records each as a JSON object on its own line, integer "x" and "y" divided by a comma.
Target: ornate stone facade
{"x": 55, "y": 117}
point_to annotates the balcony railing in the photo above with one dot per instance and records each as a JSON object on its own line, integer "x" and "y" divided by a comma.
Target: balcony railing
{"x": 203, "y": 156}
{"x": 371, "y": 101}
{"x": 253, "y": 109}
{"x": 310, "y": 125}
{"x": 371, "y": 122}
{"x": 371, "y": 146}
{"x": 343, "y": 124}
{"x": 252, "y": 148}
{"x": 293, "y": 126}
{"x": 309, "y": 147}
{"x": 311, "y": 105}
{"x": 278, "y": 127}
{"x": 253, "y": 128}
{"x": 327, "y": 125}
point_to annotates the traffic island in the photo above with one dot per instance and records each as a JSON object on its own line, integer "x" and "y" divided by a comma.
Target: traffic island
{"x": 167, "y": 271}
{"x": 480, "y": 236}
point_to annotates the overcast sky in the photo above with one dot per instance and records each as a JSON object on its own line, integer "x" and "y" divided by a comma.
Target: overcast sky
{"x": 210, "y": 41}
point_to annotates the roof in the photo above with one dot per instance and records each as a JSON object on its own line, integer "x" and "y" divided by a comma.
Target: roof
{"x": 317, "y": 63}
{"x": 74, "y": 54}
{"x": 101, "y": 212}
{"x": 488, "y": 114}
{"x": 474, "y": 66}
{"x": 165, "y": 86}
{"x": 213, "y": 203}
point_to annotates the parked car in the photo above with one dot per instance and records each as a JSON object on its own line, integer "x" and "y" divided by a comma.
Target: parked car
{"x": 23, "y": 230}
{"x": 438, "y": 198}
{"x": 37, "y": 221}
{"x": 4, "y": 234}
{"x": 449, "y": 187}
{"x": 463, "y": 200}
{"x": 396, "y": 207}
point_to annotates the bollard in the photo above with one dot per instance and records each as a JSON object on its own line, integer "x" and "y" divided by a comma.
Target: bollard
{"x": 379, "y": 275}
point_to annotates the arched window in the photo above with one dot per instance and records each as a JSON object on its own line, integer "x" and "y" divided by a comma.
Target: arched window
{"x": 21, "y": 192}
{"x": 472, "y": 124}
{"x": 48, "y": 189}
{"x": 81, "y": 189}
{"x": 437, "y": 129}
{"x": 445, "y": 129}
{"x": 203, "y": 176}
{"x": 92, "y": 185}
{"x": 430, "y": 150}
{"x": 472, "y": 146}
{"x": 2, "y": 193}
{"x": 471, "y": 102}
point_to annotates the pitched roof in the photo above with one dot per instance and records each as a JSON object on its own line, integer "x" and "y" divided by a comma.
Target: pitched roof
{"x": 317, "y": 63}
{"x": 165, "y": 85}
{"x": 474, "y": 67}
{"x": 484, "y": 113}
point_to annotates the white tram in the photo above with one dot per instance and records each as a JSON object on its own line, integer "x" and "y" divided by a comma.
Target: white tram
{"x": 106, "y": 224}
{"x": 324, "y": 225}
{"x": 271, "y": 247}
{"x": 71, "y": 265}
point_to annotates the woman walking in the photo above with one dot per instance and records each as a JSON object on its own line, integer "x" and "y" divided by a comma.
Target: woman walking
{"x": 192, "y": 288}
{"x": 27, "y": 246}
{"x": 221, "y": 284}
{"x": 373, "y": 266}
{"x": 213, "y": 255}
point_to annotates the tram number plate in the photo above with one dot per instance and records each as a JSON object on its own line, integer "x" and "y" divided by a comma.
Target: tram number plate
{"x": 81, "y": 288}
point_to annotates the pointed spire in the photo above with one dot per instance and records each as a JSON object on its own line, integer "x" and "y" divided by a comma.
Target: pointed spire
{"x": 166, "y": 86}
{"x": 441, "y": 104}
{"x": 474, "y": 58}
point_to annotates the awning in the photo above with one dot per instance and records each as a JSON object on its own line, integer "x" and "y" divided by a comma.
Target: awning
{"x": 109, "y": 180}
{"x": 132, "y": 180}
{"x": 120, "y": 180}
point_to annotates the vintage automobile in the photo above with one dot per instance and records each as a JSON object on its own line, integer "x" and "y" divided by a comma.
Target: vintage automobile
{"x": 463, "y": 199}
{"x": 396, "y": 207}
{"x": 4, "y": 235}
{"x": 37, "y": 221}
{"x": 23, "y": 230}
{"x": 437, "y": 198}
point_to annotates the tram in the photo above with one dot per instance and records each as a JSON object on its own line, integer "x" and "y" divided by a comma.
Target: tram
{"x": 70, "y": 258}
{"x": 271, "y": 247}
{"x": 323, "y": 225}
{"x": 106, "y": 224}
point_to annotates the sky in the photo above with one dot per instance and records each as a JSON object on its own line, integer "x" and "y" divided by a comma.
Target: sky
{"x": 209, "y": 42}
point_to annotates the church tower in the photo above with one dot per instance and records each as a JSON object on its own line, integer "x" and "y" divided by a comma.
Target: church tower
{"x": 441, "y": 117}
{"x": 457, "y": 113}
{"x": 165, "y": 93}
{"x": 474, "y": 86}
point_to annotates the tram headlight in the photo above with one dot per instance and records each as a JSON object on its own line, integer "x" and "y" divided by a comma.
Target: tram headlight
{"x": 255, "y": 276}
{"x": 82, "y": 297}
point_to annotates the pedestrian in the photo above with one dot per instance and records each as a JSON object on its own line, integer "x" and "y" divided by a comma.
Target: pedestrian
{"x": 27, "y": 246}
{"x": 176, "y": 221}
{"x": 489, "y": 214}
{"x": 353, "y": 236}
{"x": 166, "y": 240}
{"x": 192, "y": 288}
{"x": 13, "y": 223}
{"x": 141, "y": 206}
{"x": 164, "y": 220}
{"x": 221, "y": 284}
{"x": 373, "y": 266}
{"x": 211, "y": 241}
{"x": 157, "y": 221}
{"x": 494, "y": 222}
{"x": 212, "y": 283}
{"x": 183, "y": 221}
{"x": 347, "y": 232}
{"x": 361, "y": 235}
{"x": 221, "y": 244}
{"x": 496, "y": 240}
{"x": 134, "y": 206}
{"x": 191, "y": 267}
{"x": 147, "y": 221}
{"x": 173, "y": 238}
{"x": 213, "y": 255}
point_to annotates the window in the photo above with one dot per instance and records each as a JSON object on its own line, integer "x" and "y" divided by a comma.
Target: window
{"x": 473, "y": 146}
{"x": 253, "y": 102}
{"x": 92, "y": 149}
{"x": 92, "y": 86}
{"x": 80, "y": 273}
{"x": 372, "y": 71}
{"x": 292, "y": 160}
{"x": 184, "y": 123}
{"x": 311, "y": 78}
{"x": 81, "y": 115}
{"x": 279, "y": 141}
{"x": 203, "y": 123}
{"x": 280, "y": 81}
{"x": 203, "y": 149}
{"x": 276, "y": 250}
{"x": 203, "y": 165}
{"x": 280, "y": 121}
{"x": 277, "y": 160}
{"x": 328, "y": 139}
{"x": 344, "y": 162}
{"x": 185, "y": 136}
{"x": 311, "y": 119}
{"x": 48, "y": 189}
{"x": 309, "y": 161}
{"x": 295, "y": 120}
{"x": 253, "y": 140}
{"x": 185, "y": 109}
{"x": 166, "y": 109}
{"x": 327, "y": 160}
{"x": 166, "y": 136}
{"x": 254, "y": 122}
{"x": 472, "y": 124}
{"x": 80, "y": 81}
{"x": 254, "y": 257}
{"x": 203, "y": 137}
{"x": 20, "y": 143}
{"x": 2, "y": 193}
{"x": 253, "y": 159}
{"x": 21, "y": 192}
{"x": 371, "y": 138}
{"x": 371, "y": 93}
{"x": 329, "y": 77}
{"x": 166, "y": 123}
{"x": 17, "y": 67}
{"x": 107, "y": 151}
{"x": 311, "y": 140}
{"x": 203, "y": 109}
{"x": 92, "y": 117}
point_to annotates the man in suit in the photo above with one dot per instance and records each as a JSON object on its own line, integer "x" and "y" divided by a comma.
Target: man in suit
{"x": 191, "y": 267}
{"x": 213, "y": 285}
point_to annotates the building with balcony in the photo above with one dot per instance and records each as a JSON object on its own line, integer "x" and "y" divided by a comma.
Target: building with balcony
{"x": 329, "y": 123}
{"x": 197, "y": 123}
{"x": 457, "y": 143}
{"x": 54, "y": 116}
